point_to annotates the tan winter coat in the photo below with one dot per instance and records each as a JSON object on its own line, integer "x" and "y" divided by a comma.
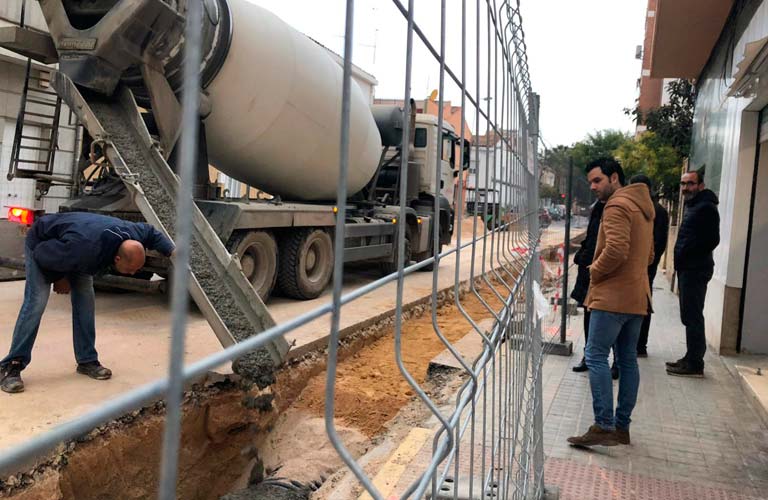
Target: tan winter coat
{"x": 619, "y": 271}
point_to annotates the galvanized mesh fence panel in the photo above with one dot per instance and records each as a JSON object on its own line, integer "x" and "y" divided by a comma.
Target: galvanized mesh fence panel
{"x": 490, "y": 442}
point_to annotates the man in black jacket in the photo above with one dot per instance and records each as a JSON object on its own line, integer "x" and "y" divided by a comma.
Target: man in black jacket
{"x": 660, "y": 233}
{"x": 698, "y": 236}
{"x": 583, "y": 259}
{"x": 68, "y": 249}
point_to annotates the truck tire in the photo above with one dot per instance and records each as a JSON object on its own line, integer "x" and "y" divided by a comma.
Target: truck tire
{"x": 391, "y": 267}
{"x": 257, "y": 251}
{"x": 306, "y": 263}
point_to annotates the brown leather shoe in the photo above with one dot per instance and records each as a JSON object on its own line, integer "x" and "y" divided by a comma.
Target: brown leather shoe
{"x": 622, "y": 435}
{"x": 595, "y": 436}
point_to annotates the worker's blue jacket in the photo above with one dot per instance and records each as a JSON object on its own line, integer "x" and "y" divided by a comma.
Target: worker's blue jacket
{"x": 79, "y": 242}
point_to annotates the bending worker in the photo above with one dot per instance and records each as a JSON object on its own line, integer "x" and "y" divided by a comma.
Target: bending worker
{"x": 68, "y": 249}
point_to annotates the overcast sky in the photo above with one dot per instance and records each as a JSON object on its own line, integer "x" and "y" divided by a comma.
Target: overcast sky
{"x": 581, "y": 54}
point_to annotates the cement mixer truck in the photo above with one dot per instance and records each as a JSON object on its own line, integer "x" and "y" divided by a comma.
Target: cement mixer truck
{"x": 270, "y": 118}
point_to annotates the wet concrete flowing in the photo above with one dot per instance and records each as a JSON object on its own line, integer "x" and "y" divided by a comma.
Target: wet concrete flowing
{"x": 256, "y": 365}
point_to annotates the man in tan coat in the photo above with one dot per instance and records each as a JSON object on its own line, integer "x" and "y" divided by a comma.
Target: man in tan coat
{"x": 619, "y": 298}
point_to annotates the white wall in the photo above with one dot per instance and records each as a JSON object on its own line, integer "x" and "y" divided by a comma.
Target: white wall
{"x": 754, "y": 333}
{"x": 480, "y": 157}
{"x": 739, "y": 151}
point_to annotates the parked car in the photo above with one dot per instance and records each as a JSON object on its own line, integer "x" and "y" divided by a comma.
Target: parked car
{"x": 544, "y": 218}
{"x": 555, "y": 213}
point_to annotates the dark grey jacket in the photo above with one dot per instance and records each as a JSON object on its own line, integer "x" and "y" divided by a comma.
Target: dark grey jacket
{"x": 699, "y": 233}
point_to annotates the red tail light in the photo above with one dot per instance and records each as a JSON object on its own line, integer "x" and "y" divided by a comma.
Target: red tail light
{"x": 21, "y": 215}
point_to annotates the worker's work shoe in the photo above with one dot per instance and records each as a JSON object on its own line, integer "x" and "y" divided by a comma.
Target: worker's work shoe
{"x": 10, "y": 378}
{"x": 94, "y": 370}
{"x": 675, "y": 364}
{"x": 595, "y": 436}
{"x": 622, "y": 435}
{"x": 685, "y": 370}
{"x": 581, "y": 367}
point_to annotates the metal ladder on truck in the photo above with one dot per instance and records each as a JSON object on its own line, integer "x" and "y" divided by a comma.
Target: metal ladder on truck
{"x": 35, "y": 142}
{"x": 217, "y": 285}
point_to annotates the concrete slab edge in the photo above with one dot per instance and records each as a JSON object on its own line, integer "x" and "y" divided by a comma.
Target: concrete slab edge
{"x": 322, "y": 343}
{"x": 740, "y": 373}
{"x": 396, "y": 465}
{"x": 319, "y": 344}
{"x": 745, "y": 375}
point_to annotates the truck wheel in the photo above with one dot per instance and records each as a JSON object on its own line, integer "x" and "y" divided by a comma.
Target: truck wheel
{"x": 391, "y": 267}
{"x": 306, "y": 263}
{"x": 258, "y": 258}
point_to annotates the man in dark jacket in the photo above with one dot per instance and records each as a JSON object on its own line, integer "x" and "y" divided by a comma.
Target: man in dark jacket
{"x": 698, "y": 236}
{"x": 583, "y": 259}
{"x": 68, "y": 249}
{"x": 660, "y": 233}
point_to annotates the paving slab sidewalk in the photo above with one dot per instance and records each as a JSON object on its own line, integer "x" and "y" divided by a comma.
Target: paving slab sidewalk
{"x": 691, "y": 438}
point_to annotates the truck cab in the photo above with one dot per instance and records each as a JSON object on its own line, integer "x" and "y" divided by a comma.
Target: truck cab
{"x": 427, "y": 145}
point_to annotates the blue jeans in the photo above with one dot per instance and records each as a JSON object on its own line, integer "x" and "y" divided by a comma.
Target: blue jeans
{"x": 36, "y": 293}
{"x": 607, "y": 329}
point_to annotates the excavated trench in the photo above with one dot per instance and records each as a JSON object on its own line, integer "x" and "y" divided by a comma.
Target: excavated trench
{"x": 243, "y": 443}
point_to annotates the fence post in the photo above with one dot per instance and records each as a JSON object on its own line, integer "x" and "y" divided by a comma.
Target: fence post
{"x": 564, "y": 347}
{"x": 536, "y": 344}
{"x": 566, "y": 251}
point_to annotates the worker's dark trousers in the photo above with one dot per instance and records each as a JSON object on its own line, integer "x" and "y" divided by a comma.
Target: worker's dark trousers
{"x": 587, "y": 316}
{"x": 642, "y": 341}
{"x": 36, "y": 293}
{"x": 693, "y": 291}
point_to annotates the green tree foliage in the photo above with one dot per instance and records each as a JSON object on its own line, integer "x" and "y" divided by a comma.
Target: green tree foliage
{"x": 659, "y": 161}
{"x": 673, "y": 122}
{"x": 597, "y": 144}
{"x": 668, "y": 136}
{"x": 548, "y": 192}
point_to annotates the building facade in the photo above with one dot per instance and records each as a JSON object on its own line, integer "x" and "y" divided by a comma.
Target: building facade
{"x": 727, "y": 55}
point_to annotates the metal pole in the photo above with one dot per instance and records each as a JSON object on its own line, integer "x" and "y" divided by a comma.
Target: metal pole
{"x": 566, "y": 250}
{"x": 190, "y": 118}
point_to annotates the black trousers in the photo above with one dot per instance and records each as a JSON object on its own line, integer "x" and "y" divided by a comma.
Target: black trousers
{"x": 693, "y": 291}
{"x": 642, "y": 341}
{"x": 587, "y": 315}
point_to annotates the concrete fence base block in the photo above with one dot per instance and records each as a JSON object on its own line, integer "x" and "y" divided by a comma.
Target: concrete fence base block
{"x": 559, "y": 348}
